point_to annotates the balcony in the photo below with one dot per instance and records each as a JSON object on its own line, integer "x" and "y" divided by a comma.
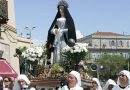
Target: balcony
{"x": 119, "y": 48}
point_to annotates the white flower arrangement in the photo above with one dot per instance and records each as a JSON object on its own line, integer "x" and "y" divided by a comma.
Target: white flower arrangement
{"x": 78, "y": 51}
{"x": 79, "y": 47}
{"x": 33, "y": 53}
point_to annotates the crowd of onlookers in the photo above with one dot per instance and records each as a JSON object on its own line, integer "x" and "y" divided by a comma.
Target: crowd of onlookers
{"x": 71, "y": 82}
{"x": 21, "y": 83}
{"x": 6, "y": 83}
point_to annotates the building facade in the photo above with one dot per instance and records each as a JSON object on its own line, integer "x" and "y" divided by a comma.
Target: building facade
{"x": 9, "y": 40}
{"x": 101, "y": 43}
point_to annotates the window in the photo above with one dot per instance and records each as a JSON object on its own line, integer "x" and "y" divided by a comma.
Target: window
{"x": 121, "y": 43}
{"x": 128, "y": 55}
{"x": 127, "y": 43}
{"x": 104, "y": 45}
{"x": 112, "y": 43}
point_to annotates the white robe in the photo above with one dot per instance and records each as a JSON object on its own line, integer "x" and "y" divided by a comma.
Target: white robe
{"x": 118, "y": 88}
{"x": 25, "y": 78}
{"x": 76, "y": 87}
{"x": 59, "y": 41}
{"x": 97, "y": 81}
{"x": 109, "y": 82}
{"x": 78, "y": 84}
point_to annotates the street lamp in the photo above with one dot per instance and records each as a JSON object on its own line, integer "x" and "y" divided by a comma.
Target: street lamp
{"x": 30, "y": 32}
{"x": 97, "y": 68}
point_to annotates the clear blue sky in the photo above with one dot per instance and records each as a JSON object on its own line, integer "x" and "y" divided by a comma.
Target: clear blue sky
{"x": 89, "y": 16}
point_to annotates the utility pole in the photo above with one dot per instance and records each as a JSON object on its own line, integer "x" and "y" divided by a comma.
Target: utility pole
{"x": 30, "y": 33}
{"x": 30, "y": 37}
{"x": 128, "y": 62}
{"x": 128, "y": 65}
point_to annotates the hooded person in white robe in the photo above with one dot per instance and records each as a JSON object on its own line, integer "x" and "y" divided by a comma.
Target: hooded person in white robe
{"x": 74, "y": 82}
{"x": 109, "y": 84}
{"x": 123, "y": 81}
{"x": 22, "y": 83}
{"x": 95, "y": 84}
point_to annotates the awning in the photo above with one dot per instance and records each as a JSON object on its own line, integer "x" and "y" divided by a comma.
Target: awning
{"x": 6, "y": 70}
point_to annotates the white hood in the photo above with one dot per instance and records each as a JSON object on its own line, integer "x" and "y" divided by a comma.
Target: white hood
{"x": 77, "y": 75}
{"x": 109, "y": 81}
{"x": 97, "y": 81}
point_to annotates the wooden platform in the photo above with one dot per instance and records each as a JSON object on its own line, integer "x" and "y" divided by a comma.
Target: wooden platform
{"x": 50, "y": 83}
{"x": 54, "y": 83}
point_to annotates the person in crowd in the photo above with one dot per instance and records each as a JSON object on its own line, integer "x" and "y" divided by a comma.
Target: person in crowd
{"x": 61, "y": 33}
{"x": 109, "y": 84}
{"x": 22, "y": 83}
{"x": 73, "y": 82}
{"x": 123, "y": 81}
{"x": 8, "y": 83}
{"x": 1, "y": 83}
{"x": 95, "y": 84}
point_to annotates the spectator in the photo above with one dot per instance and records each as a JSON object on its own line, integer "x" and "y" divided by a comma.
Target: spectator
{"x": 8, "y": 83}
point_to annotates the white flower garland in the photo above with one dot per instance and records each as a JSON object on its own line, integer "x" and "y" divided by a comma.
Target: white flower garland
{"x": 33, "y": 53}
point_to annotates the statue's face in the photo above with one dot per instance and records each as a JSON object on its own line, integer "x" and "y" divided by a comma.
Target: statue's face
{"x": 61, "y": 8}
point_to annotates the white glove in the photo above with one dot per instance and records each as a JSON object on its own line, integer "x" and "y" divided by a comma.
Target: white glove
{"x": 55, "y": 31}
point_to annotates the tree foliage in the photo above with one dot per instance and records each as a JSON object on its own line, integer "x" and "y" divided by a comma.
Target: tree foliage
{"x": 112, "y": 65}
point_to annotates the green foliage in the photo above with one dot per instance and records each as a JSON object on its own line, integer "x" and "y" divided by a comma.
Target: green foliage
{"x": 75, "y": 56}
{"x": 22, "y": 48}
{"x": 56, "y": 68}
{"x": 73, "y": 59}
{"x": 112, "y": 65}
{"x": 128, "y": 64}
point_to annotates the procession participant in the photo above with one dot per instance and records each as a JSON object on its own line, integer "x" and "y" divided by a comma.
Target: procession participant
{"x": 123, "y": 81}
{"x": 109, "y": 84}
{"x": 73, "y": 82}
{"x": 22, "y": 83}
{"x": 95, "y": 84}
